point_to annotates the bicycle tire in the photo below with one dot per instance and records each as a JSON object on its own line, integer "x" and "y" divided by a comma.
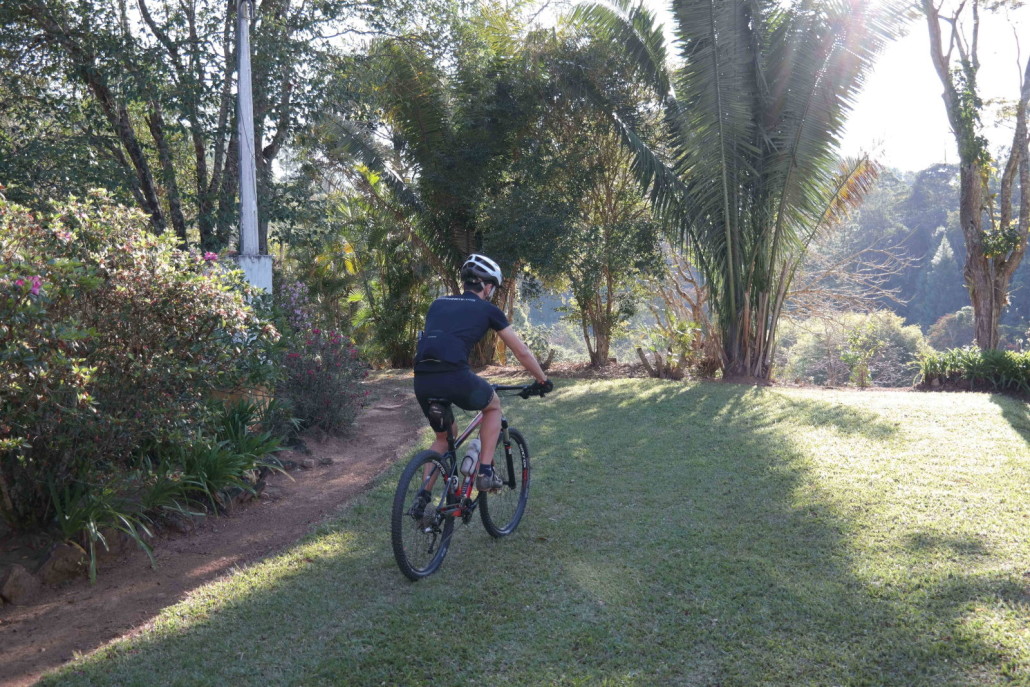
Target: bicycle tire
{"x": 420, "y": 548}
{"x": 502, "y": 510}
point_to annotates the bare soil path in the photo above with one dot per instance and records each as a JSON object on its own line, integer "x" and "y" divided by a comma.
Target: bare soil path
{"x": 79, "y": 617}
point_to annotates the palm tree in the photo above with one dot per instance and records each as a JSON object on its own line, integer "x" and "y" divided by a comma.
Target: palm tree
{"x": 441, "y": 134}
{"x": 436, "y": 137}
{"x": 754, "y": 111}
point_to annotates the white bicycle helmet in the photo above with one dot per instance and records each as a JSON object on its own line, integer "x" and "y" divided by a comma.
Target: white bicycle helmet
{"x": 482, "y": 267}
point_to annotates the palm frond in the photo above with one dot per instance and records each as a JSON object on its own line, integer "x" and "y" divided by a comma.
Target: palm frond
{"x": 414, "y": 102}
{"x": 349, "y": 144}
{"x": 669, "y": 195}
{"x": 854, "y": 179}
{"x": 717, "y": 88}
{"x": 815, "y": 73}
{"x": 634, "y": 28}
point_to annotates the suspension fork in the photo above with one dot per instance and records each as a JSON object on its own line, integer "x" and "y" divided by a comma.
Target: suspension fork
{"x": 506, "y": 441}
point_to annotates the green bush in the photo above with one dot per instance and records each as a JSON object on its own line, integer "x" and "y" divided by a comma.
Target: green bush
{"x": 953, "y": 330}
{"x": 956, "y": 330}
{"x": 323, "y": 372}
{"x": 972, "y": 368}
{"x": 171, "y": 477}
{"x": 111, "y": 339}
{"x": 854, "y": 348}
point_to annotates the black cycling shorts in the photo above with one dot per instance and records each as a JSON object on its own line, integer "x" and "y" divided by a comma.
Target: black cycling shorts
{"x": 461, "y": 387}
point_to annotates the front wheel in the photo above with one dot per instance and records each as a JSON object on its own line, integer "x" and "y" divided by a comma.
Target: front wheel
{"x": 502, "y": 509}
{"x": 419, "y": 534}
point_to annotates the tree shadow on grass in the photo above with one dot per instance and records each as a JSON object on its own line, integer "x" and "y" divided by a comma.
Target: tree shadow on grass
{"x": 675, "y": 535}
{"x": 763, "y": 571}
{"x": 945, "y": 545}
{"x": 1016, "y": 412}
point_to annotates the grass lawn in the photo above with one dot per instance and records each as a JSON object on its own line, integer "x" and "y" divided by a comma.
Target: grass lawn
{"x": 676, "y": 535}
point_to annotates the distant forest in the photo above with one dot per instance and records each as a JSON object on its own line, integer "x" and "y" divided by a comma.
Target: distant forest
{"x": 916, "y": 215}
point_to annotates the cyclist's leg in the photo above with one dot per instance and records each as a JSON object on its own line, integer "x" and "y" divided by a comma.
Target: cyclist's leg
{"x": 472, "y": 392}
{"x": 439, "y": 444}
{"x": 469, "y": 392}
{"x": 490, "y": 430}
{"x": 433, "y": 386}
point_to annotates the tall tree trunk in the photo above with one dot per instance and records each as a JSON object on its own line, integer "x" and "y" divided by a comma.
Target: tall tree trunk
{"x": 155, "y": 120}
{"x": 980, "y": 282}
{"x": 989, "y": 265}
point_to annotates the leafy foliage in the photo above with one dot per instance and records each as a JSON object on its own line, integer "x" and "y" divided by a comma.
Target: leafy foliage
{"x": 170, "y": 477}
{"x": 437, "y": 133}
{"x": 754, "y": 113}
{"x": 321, "y": 369}
{"x": 973, "y": 368}
{"x": 111, "y": 339}
{"x": 140, "y": 97}
{"x": 862, "y": 349}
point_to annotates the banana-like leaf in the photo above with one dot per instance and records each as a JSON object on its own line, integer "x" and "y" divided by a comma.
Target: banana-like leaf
{"x": 349, "y": 144}
{"x": 633, "y": 27}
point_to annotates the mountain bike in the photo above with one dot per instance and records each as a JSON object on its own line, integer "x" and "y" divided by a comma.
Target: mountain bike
{"x": 434, "y": 491}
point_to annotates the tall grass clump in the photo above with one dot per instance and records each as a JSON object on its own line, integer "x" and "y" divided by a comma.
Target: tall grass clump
{"x": 975, "y": 369}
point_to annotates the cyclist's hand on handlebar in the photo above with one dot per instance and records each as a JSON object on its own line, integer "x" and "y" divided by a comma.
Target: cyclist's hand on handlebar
{"x": 538, "y": 389}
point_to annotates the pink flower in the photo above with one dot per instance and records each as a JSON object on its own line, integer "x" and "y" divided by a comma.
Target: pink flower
{"x": 37, "y": 282}
{"x": 316, "y": 331}
{"x": 19, "y": 282}
{"x": 211, "y": 257}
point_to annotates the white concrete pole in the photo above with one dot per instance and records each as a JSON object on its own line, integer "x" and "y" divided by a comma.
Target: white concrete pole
{"x": 257, "y": 267}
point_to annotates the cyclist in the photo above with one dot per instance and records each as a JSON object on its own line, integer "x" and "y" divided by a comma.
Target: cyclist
{"x": 454, "y": 324}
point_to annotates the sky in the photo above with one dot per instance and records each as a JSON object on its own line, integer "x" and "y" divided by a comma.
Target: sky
{"x": 899, "y": 117}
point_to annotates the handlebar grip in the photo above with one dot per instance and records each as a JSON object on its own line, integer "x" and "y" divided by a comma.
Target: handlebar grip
{"x": 537, "y": 389}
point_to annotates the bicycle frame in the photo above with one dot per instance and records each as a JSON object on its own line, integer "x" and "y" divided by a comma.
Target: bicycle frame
{"x": 462, "y": 488}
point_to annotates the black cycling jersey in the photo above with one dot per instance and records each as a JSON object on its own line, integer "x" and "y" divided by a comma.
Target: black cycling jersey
{"x": 454, "y": 324}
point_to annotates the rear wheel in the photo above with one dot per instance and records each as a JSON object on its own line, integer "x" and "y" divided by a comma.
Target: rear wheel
{"x": 419, "y": 534}
{"x": 501, "y": 510}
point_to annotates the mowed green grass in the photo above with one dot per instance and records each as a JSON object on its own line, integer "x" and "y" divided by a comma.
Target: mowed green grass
{"x": 676, "y": 534}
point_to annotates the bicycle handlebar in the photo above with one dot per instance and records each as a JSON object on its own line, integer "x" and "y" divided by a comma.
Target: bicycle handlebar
{"x": 525, "y": 390}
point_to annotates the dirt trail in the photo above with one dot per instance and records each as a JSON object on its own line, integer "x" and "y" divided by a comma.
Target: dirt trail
{"x": 79, "y": 617}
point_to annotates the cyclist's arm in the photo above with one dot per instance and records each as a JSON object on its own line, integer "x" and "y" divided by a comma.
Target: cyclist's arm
{"x": 522, "y": 352}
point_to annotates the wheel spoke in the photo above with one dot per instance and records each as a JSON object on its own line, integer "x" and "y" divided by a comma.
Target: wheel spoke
{"x": 419, "y": 546}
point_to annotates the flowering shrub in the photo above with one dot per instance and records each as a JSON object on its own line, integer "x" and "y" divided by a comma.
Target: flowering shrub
{"x": 110, "y": 338}
{"x": 321, "y": 368}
